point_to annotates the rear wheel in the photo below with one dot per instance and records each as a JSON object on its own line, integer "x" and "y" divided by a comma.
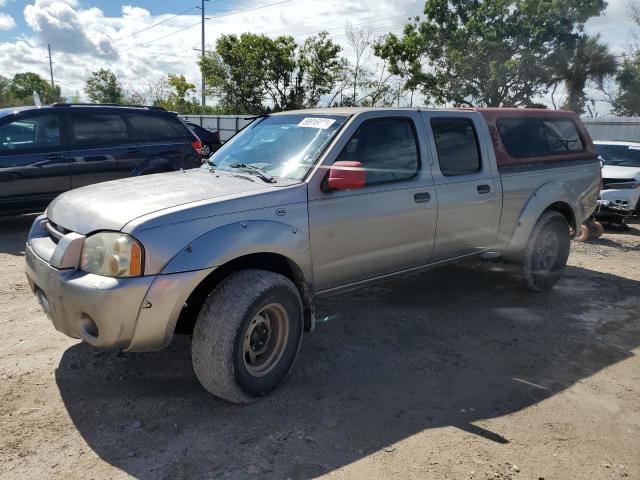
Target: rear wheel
{"x": 546, "y": 253}
{"x": 247, "y": 335}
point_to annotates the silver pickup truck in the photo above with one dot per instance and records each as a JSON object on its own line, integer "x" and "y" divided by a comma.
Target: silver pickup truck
{"x": 300, "y": 204}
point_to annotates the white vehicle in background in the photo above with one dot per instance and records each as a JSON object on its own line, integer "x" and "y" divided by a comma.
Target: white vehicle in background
{"x": 620, "y": 176}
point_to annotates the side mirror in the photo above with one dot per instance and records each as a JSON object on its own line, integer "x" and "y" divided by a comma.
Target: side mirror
{"x": 346, "y": 175}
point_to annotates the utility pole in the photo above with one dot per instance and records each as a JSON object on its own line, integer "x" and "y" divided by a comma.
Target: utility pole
{"x": 51, "y": 67}
{"x": 202, "y": 56}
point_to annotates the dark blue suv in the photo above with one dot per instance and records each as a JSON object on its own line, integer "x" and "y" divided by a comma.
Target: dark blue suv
{"x": 47, "y": 150}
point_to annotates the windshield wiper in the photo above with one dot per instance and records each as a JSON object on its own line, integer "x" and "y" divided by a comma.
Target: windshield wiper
{"x": 260, "y": 172}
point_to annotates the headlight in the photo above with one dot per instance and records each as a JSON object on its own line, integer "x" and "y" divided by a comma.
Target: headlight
{"x": 111, "y": 254}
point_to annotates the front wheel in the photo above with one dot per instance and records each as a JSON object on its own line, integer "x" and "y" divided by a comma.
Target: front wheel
{"x": 546, "y": 253}
{"x": 247, "y": 335}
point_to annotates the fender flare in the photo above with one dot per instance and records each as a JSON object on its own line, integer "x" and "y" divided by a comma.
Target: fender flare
{"x": 545, "y": 196}
{"x": 235, "y": 240}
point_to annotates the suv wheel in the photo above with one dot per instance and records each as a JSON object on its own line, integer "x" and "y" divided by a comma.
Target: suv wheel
{"x": 547, "y": 251}
{"x": 247, "y": 335}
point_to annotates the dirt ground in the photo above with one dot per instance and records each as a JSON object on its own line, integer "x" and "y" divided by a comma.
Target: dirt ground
{"x": 452, "y": 374}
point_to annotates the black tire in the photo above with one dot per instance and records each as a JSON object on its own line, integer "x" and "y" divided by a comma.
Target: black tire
{"x": 227, "y": 322}
{"x": 546, "y": 253}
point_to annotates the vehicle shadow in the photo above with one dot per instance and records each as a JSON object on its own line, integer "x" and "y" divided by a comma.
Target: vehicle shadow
{"x": 445, "y": 348}
{"x": 14, "y": 233}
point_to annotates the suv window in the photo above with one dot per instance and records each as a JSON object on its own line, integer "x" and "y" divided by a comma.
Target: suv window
{"x": 34, "y": 133}
{"x": 98, "y": 129}
{"x": 157, "y": 129}
{"x": 387, "y": 149}
{"x": 534, "y": 137}
{"x": 457, "y": 146}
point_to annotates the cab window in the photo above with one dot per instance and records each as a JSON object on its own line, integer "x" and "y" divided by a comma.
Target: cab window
{"x": 387, "y": 149}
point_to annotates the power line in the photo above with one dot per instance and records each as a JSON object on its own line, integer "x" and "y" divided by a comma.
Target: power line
{"x": 159, "y": 23}
{"x": 235, "y": 12}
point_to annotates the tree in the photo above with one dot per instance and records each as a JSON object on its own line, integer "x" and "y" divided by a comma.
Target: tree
{"x": 103, "y": 87}
{"x": 627, "y": 99}
{"x": 24, "y": 84}
{"x": 235, "y": 72}
{"x": 322, "y": 66}
{"x": 582, "y": 59}
{"x": 490, "y": 52}
{"x": 360, "y": 41}
{"x": 182, "y": 88}
{"x": 244, "y": 71}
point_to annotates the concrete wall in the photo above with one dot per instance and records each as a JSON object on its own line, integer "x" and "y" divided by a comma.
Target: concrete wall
{"x": 614, "y": 128}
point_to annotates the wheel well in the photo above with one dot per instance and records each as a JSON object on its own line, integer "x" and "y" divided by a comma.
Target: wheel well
{"x": 272, "y": 262}
{"x": 566, "y": 211}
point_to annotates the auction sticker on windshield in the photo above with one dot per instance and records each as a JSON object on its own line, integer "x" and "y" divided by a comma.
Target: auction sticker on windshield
{"x": 311, "y": 122}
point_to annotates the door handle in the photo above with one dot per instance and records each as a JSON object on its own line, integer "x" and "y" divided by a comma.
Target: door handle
{"x": 423, "y": 197}
{"x": 55, "y": 156}
{"x": 484, "y": 189}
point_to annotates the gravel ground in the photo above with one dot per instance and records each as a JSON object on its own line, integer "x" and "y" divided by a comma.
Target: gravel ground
{"x": 453, "y": 374}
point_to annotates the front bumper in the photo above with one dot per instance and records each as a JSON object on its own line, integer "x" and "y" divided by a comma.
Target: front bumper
{"x": 135, "y": 314}
{"x": 626, "y": 198}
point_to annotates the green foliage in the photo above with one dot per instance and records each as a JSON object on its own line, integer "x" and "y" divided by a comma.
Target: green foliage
{"x": 582, "y": 58}
{"x": 103, "y": 87}
{"x": 19, "y": 90}
{"x": 181, "y": 87}
{"x": 490, "y": 52}
{"x": 244, "y": 71}
{"x": 627, "y": 100}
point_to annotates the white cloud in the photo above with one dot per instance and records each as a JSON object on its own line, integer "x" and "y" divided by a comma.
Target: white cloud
{"x": 84, "y": 39}
{"x": 63, "y": 25}
{"x": 6, "y": 21}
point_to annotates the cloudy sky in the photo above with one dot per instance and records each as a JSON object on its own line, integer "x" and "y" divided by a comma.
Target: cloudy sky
{"x": 143, "y": 40}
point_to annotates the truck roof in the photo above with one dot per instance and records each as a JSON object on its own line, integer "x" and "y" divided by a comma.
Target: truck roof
{"x": 485, "y": 111}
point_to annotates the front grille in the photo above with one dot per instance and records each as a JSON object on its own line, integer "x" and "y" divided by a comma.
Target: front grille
{"x": 610, "y": 183}
{"x": 56, "y": 232}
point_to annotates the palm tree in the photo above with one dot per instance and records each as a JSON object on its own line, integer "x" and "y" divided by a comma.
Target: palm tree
{"x": 583, "y": 59}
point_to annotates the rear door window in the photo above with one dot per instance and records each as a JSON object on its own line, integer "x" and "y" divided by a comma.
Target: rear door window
{"x": 90, "y": 130}
{"x": 534, "y": 137}
{"x": 457, "y": 146}
{"x": 150, "y": 128}
{"x": 31, "y": 134}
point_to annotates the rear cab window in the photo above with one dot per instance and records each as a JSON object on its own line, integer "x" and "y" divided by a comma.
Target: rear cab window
{"x": 526, "y": 137}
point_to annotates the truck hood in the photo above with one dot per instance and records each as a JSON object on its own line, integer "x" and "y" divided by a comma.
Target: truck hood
{"x": 615, "y": 171}
{"x": 111, "y": 205}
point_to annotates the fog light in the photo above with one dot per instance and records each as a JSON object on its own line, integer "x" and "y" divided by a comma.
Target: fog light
{"x": 88, "y": 326}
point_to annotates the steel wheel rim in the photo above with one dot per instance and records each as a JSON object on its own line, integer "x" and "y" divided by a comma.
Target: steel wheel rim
{"x": 265, "y": 340}
{"x": 547, "y": 252}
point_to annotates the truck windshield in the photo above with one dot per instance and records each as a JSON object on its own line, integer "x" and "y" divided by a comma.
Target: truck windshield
{"x": 281, "y": 145}
{"x": 621, "y": 155}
